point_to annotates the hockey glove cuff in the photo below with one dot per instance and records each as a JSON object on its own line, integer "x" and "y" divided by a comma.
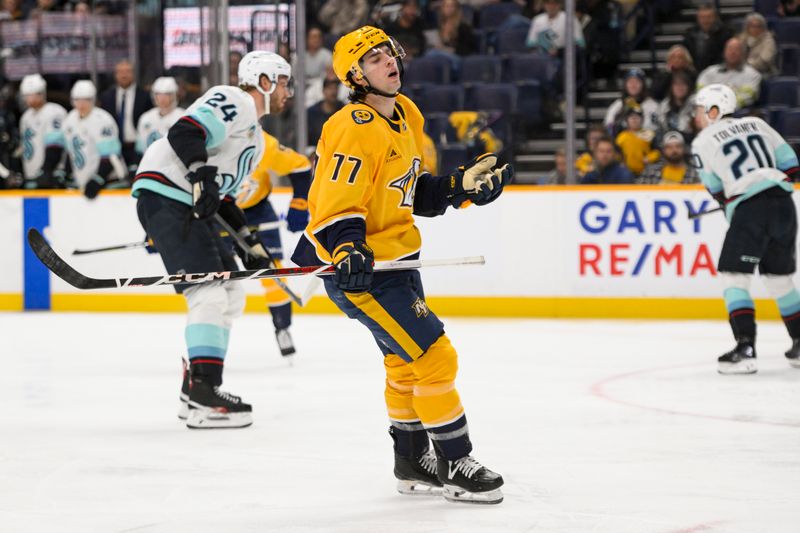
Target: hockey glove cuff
{"x": 205, "y": 191}
{"x": 93, "y": 186}
{"x": 297, "y": 216}
{"x": 256, "y": 257}
{"x": 354, "y": 263}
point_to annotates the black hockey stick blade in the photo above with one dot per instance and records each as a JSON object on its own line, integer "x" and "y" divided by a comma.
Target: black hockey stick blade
{"x": 61, "y": 268}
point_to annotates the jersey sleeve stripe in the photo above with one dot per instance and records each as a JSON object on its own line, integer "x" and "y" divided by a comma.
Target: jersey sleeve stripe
{"x": 214, "y": 128}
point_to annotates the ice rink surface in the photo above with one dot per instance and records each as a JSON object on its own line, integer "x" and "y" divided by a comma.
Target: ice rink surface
{"x": 613, "y": 427}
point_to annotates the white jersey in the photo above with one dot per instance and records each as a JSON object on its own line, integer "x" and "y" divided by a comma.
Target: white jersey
{"x": 742, "y": 157}
{"x": 153, "y": 125}
{"x": 89, "y": 140}
{"x": 40, "y": 128}
{"x": 233, "y": 142}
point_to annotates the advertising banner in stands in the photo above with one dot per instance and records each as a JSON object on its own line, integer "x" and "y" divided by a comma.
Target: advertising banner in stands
{"x": 62, "y": 44}
{"x": 260, "y": 27}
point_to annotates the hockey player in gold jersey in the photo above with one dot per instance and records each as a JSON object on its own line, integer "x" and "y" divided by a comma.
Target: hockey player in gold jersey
{"x": 367, "y": 187}
{"x": 253, "y": 198}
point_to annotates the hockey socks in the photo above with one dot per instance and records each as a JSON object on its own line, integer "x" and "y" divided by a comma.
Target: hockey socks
{"x": 741, "y": 313}
{"x": 789, "y": 306}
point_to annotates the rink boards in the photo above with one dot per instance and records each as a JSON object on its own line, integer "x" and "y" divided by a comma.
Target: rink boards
{"x": 606, "y": 252}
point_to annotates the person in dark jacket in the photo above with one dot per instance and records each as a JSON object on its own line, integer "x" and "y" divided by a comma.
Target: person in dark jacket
{"x": 706, "y": 39}
{"x": 608, "y": 171}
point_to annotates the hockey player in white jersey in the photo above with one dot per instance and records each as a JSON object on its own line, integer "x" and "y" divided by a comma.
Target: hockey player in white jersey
{"x": 155, "y": 123}
{"x": 749, "y": 168}
{"x": 183, "y": 180}
{"x": 92, "y": 142}
{"x": 42, "y": 136}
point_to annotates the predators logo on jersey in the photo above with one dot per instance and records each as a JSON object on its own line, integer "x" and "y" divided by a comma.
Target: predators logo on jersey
{"x": 366, "y": 174}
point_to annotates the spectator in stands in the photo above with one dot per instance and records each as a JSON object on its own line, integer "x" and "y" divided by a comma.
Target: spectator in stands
{"x": 408, "y": 29}
{"x": 706, "y": 39}
{"x": 789, "y": 8}
{"x": 233, "y": 68}
{"x": 678, "y": 60}
{"x": 320, "y": 112}
{"x": 760, "y": 49}
{"x": 676, "y": 110}
{"x": 634, "y": 94}
{"x": 45, "y": 6}
{"x": 602, "y": 34}
{"x": 735, "y": 73}
{"x": 636, "y": 143}
{"x": 453, "y": 34}
{"x": 126, "y": 102}
{"x": 343, "y": 16}
{"x": 557, "y": 176}
{"x": 82, "y": 8}
{"x": 548, "y": 30}
{"x": 607, "y": 169}
{"x": 318, "y": 58}
{"x": 672, "y": 168}
{"x": 585, "y": 163}
{"x": 12, "y": 10}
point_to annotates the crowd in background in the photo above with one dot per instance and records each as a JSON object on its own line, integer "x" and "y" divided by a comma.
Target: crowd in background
{"x": 643, "y": 138}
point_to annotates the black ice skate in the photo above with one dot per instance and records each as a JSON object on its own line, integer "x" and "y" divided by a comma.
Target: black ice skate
{"x": 740, "y": 360}
{"x": 183, "y": 410}
{"x": 211, "y": 408}
{"x": 417, "y": 476}
{"x": 284, "y": 342}
{"x": 466, "y": 480}
{"x": 793, "y": 355}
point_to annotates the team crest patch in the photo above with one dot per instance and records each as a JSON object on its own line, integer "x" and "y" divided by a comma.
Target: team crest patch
{"x": 420, "y": 307}
{"x": 393, "y": 155}
{"x": 362, "y": 116}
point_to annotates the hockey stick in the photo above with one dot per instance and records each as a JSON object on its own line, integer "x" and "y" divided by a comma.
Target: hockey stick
{"x": 63, "y": 270}
{"x": 266, "y": 226}
{"x": 693, "y": 215}
{"x": 240, "y": 242}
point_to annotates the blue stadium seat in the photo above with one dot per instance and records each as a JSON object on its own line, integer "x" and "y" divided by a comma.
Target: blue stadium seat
{"x": 511, "y": 42}
{"x": 787, "y": 30}
{"x": 789, "y": 125}
{"x": 790, "y": 60}
{"x": 526, "y": 67}
{"x": 493, "y": 15}
{"x": 441, "y": 99}
{"x": 781, "y": 91}
{"x": 436, "y": 126}
{"x": 451, "y": 156}
{"x": 494, "y": 97}
{"x": 428, "y": 69}
{"x": 529, "y": 102}
{"x": 768, "y": 8}
{"x": 481, "y": 69}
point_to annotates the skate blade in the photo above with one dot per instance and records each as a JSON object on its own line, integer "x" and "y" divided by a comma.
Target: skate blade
{"x": 742, "y": 367}
{"x": 452, "y": 493}
{"x": 794, "y": 363}
{"x": 417, "y": 488}
{"x": 211, "y": 419}
{"x": 183, "y": 410}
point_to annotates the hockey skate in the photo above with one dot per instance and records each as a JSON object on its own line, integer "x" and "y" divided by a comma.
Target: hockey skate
{"x": 417, "y": 477}
{"x": 183, "y": 410}
{"x": 211, "y": 408}
{"x": 793, "y": 354}
{"x": 285, "y": 342}
{"x": 740, "y": 360}
{"x": 466, "y": 480}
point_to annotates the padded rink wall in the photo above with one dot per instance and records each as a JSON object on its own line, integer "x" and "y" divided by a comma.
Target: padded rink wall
{"x": 580, "y": 252}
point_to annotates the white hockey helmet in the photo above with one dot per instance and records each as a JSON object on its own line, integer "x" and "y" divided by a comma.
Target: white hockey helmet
{"x": 256, "y": 64}
{"x": 716, "y": 95}
{"x": 165, "y": 85}
{"x": 83, "y": 89}
{"x": 32, "y": 84}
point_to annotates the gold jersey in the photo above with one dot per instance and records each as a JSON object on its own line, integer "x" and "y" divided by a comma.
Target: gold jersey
{"x": 366, "y": 173}
{"x": 277, "y": 160}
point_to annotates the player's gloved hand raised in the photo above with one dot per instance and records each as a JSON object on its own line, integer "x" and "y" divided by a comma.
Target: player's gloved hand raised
{"x": 256, "y": 258}
{"x": 93, "y": 186}
{"x": 478, "y": 181}
{"x": 297, "y": 216}
{"x": 354, "y": 262}
{"x": 205, "y": 191}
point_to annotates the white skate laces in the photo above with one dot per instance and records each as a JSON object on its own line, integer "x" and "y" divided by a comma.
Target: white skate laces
{"x": 226, "y": 396}
{"x": 467, "y": 465}
{"x": 428, "y": 462}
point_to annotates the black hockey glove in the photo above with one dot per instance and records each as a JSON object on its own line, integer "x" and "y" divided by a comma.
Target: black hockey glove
{"x": 474, "y": 182}
{"x": 256, "y": 258}
{"x": 205, "y": 191}
{"x": 93, "y": 186}
{"x": 354, "y": 262}
{"x": 500, "y": 178}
